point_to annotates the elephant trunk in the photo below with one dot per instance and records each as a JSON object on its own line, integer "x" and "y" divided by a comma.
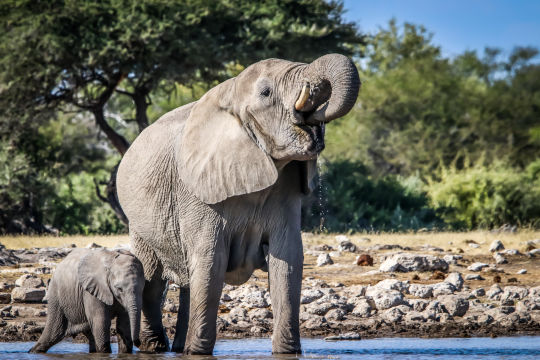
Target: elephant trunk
{"x": 334, "y": 84}
{"x": 134, "y": 314}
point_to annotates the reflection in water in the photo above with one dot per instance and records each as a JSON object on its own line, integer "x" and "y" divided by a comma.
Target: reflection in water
{"x": 391, "y": 348}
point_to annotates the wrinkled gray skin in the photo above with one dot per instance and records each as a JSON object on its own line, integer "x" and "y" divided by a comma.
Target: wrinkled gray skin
{"x": 89, "y": 288}
{"x": 213, "y": 190}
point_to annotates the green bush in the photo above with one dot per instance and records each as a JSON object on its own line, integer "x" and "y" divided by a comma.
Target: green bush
{"x": 350, "y": 199}
{"x": 487, "y": 197}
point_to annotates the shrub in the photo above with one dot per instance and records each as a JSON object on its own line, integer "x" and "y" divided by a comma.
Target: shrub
{"x": 487, "y": 197}
{"x": 348, "y": 198}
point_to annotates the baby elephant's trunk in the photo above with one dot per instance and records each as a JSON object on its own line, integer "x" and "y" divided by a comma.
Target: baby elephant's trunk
{"x": 135, "y": 321}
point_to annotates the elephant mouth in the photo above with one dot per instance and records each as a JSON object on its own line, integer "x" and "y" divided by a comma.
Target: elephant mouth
{"x": 316, "y": 134}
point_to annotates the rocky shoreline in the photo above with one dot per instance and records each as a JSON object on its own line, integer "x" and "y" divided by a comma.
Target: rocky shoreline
{"x": 440, "y": 298}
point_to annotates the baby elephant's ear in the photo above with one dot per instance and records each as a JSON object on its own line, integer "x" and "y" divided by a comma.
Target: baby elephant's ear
{"x": 92, "y": 274}
{"x": 217, "y": 158}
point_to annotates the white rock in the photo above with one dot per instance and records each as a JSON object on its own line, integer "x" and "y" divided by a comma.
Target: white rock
{"x": 522, "y": 272}
{"x": 455, "y": 279}
{"x": 443, "y": 288}
{"x": 29, "y": 281}
{"x": 477, "y": 266}
{"x": 452, "y": 259}
{"x": 474, "y": 246}
{"x": 494, "y": 292}
{"x": 479, "y": 292}
{"x": 393, "y": 284}
{"x": 324, "y": 259}
{"x": 405, "y": 262}
{"x": 385, "y": 299}
{"x": 455, "y": 304}
{"x": 392, "y": 316}
{"x": 23, "y": 294}
{"x": 499, "y": 259}
{"x": 514, "y": 292}
{"x": 363, "y": 308}
{"x": 470, "y": 277}
{"x": 421, "y": 291}
{"x": 335, "y": 314}
{"x": 511, "y": 252}
{"x": 256, "y": 299}
{"x": 496, "y": 245}
{"x": 347, "y": 336}
{"x": 308, "y": 296}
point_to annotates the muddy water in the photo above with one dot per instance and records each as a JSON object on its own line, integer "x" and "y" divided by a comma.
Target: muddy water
{"x": 391, "y": 348}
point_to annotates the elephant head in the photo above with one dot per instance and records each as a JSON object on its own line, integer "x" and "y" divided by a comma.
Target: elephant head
{"x": 110, "y": 275}
{"x": 241, "y": 131}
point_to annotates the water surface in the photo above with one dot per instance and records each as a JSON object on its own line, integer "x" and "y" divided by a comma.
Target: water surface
{"x": 527, "y": 347}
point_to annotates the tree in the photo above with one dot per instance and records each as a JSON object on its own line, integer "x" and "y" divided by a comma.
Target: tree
{"x": 418, "y": 110}
{"x": 80, "y": 57}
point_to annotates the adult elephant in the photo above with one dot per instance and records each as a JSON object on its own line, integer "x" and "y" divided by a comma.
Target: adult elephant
{"x": 213, "y": 190}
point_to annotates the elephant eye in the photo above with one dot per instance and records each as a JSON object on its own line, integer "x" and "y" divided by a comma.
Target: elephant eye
{"x": 266, "y": 91}
{"x": 119, "y": 289}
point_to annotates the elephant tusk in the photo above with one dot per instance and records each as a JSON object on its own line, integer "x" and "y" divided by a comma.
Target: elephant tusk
{"x": 304, "y": 95}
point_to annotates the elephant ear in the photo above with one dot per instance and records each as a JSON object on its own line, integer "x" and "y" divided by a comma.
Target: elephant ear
{"x": 217, "y": 158}
{"x": 92, "y": 274}
{"x": 308, "y": 176}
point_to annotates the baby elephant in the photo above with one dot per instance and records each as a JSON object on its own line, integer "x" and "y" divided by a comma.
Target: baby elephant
{"x": 89, "y": 288}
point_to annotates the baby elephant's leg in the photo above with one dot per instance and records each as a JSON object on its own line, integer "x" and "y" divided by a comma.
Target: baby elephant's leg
{"x": 54, "y": 331}
{"x": 125, "y": 343}
{"x": 99, "y": 318}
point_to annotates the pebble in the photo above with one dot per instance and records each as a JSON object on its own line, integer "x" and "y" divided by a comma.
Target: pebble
{"x": 477, "y": 266}
{"x": 347, "y": 336}
{"x": 522, "y": 272}
{"x": 324, "y": 259}
{"x": 496, "y": 245}
{"x": 473, "y": 277}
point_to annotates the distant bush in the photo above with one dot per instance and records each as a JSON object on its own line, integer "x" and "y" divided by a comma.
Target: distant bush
{"x": 350, "y": 199}
{"x": 487, "y": 197}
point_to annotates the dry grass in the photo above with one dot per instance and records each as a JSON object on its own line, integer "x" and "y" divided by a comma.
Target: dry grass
{"x": 25, "y": 242}
{"x": 449, "y": 241}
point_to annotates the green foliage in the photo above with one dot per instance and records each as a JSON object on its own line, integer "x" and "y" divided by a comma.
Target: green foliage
{"x": 46, "y": 182}
{"x": 350, "y": 199}
{"x": 487, "y": 197}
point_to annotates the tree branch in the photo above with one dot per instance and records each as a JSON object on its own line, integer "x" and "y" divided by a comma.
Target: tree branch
{"x": 118, "y": 141}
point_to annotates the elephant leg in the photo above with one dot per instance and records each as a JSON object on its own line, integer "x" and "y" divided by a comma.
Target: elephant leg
{"x": 125, "y": 343}
{"x": 153, "y": 335}
{"x": 91, "y": 341}
{"x": 206, "y": 283}
{"x": 54, "y": 331}
{"x": 182, "y": 321}
{"x": 99, "y": 319}
{"x": 285, "y": 278}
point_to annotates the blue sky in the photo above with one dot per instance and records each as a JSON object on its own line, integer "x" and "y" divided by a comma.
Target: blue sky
{"x": 457, "y": 25}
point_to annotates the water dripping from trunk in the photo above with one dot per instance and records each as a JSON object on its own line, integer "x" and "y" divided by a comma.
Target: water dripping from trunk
{"x": 322, "y": 191}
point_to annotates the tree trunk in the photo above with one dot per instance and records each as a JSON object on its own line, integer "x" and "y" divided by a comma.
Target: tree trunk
{"x": 118, "y": 141}
{"x": 141, "y": 105}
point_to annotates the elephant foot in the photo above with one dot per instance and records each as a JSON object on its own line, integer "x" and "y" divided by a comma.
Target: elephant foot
{"x": 292, "y": 347}
{"x": 177, "y": 348}
{"x": 190, "y": 351}
{"x": 37, "y": 349}
{"x": 154, "y": 344}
